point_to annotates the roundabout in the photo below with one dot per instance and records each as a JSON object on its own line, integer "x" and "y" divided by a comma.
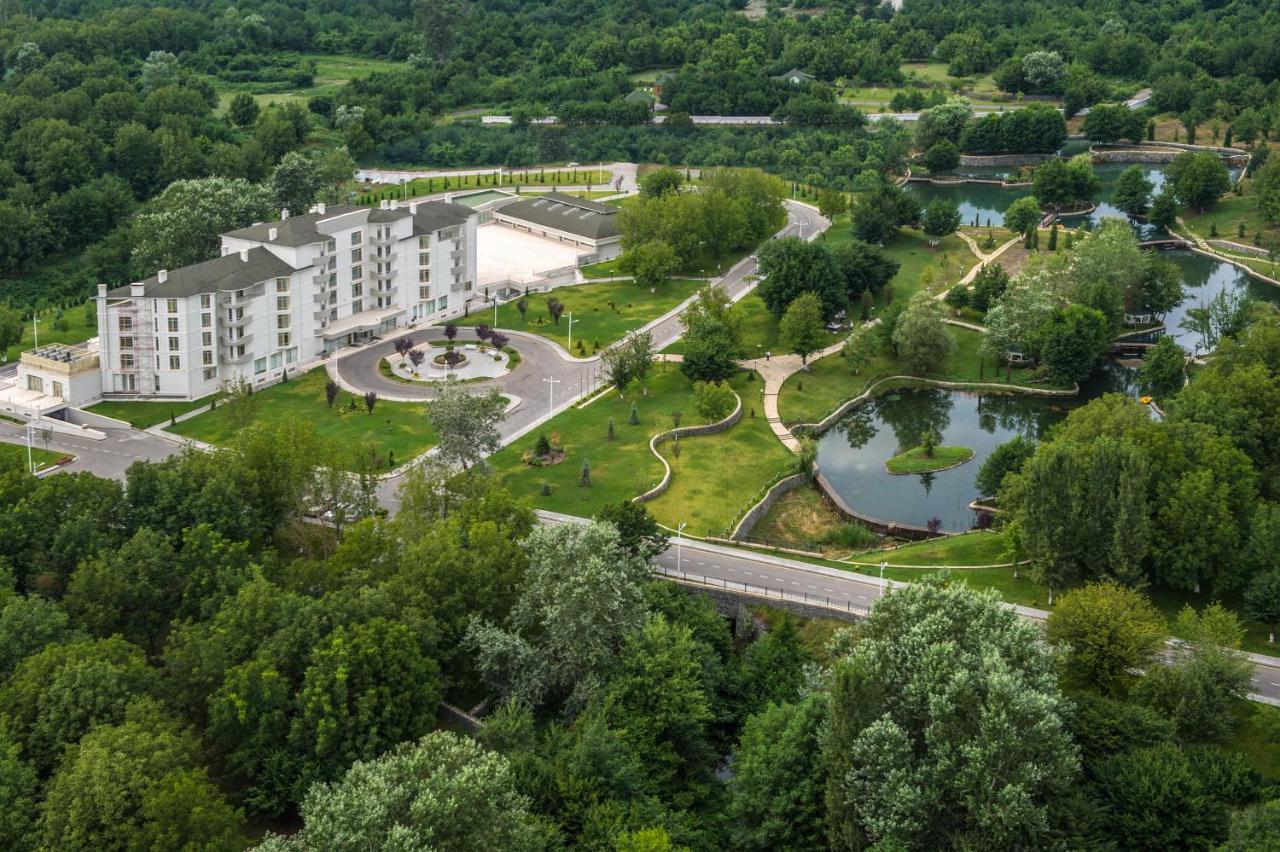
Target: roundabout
{"x": 436, "y": 361}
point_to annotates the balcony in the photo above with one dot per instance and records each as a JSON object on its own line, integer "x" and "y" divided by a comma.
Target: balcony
{"x": 321, "y": 298}
{"x": 385, "y": 238}
{"x": 457, "y": 255}
{"x": 229, "y": 358}
{"x": 225, "y": 340}
{"x": 386, "y": 291}
{"x": 385, "y": 275}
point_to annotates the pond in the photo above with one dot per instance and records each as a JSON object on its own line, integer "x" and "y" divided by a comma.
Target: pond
{"x": 987, "y": 202}
{"x": 852, "y": 454}
{"x": 1203, "y": 278}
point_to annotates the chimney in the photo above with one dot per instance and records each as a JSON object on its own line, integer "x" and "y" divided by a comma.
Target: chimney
{"x": 162, "y": 275}
{"x": 413, "y": 207}
{"x": 244, "y": 255}
{"x": 102, "y": 291}
{"x": 384, "y": 204}
{"x": 284, "y": 214}
{"x": 137, "y": 289}
{"x": 272, "y": 233}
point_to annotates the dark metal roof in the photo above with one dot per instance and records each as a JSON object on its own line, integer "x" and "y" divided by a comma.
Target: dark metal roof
{"x": 434, "y": 215}
{"x": 295, "y": 231}
{"x": 229, "y": 272}
{"x": 567, "y": 213}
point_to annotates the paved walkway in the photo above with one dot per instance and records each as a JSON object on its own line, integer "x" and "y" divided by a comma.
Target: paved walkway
{"x": 775, "y": 370}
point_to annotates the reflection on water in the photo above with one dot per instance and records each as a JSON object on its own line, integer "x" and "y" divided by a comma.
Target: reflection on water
{"x": 853, "y": 453}
{"x": 1203, "y": 278}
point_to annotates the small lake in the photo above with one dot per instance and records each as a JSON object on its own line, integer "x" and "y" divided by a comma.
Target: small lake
{"x": 853, "y": 452}
{"x": 1203, "y": 278}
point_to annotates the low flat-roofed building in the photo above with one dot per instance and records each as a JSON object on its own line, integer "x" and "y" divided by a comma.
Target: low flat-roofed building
{"x": 566, "y": 219}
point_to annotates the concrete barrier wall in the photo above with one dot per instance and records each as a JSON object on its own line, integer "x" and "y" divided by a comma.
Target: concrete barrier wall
{"x": 890, "y": 528}
{"x": 683, "y": 432}
{"x": 1004, "y": 159}
{"x": 759, "y": 510}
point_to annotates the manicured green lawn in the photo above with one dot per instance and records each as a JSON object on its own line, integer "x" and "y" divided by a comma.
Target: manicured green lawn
{"x": 333, "y": 71}
{"x": 79, "y": 327}
{"x": 915, "y": 461}
{"x": 975, "y": 548}
{"x": 550, "y": 178}
{"x": 15, "y": 456}
{"x": 759, "y": 329}
{"x": 729, "y": 468}
{"x": 399, "y": 428}
{"x": 947, "y": 262}
{"x": 717, "y": 476}
{"x": 142, "y": 414}
{"x": 596, "y": 323}
{"x": 603, "y": 269}
{"x": 809, "y": 397}
{"x": 1228, "y": 214}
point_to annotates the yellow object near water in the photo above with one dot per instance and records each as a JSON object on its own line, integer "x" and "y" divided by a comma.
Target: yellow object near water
{"x": 1146, "y": 400}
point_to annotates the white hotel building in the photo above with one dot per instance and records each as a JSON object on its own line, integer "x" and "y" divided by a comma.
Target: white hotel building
{"x": 284, "y": 293}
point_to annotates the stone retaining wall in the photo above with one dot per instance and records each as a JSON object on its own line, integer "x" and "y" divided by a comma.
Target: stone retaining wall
{"x": 683, "y": 432}
{"x": 1004, "y": 159}
{"x": 883, "y": 527}
{"x": 1241, "y": 248}
{"x": 759, "y": 510}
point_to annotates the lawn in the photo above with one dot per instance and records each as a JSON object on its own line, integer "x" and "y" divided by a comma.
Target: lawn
{"x": 717, "y": 477}
{"x": 332, "y": 73}
{"x": 143, "y": 414}
{"x": 549, "y": 178}
{"x": 596, "y": 322}
{"x": 809, "y": 397}
{"x": 759, "y": 329}
{"x": 804, "y": 519}
{"x": 914, "y": 460}
{"x": 1228, "y": 214}
{"x": 603, "y": 269}
{"x": 624, "y": 467}
{"x": 946, "y": 263}
{"x": 79, "y": 327}
{"x": 975, "y": 548}
{"x": 14, "y": 456}
{"x": 1257, "y": 737}
{"x": 396, "y": 428}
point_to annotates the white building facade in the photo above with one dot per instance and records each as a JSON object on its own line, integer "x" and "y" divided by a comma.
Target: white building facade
{"x": 284, "y": 293}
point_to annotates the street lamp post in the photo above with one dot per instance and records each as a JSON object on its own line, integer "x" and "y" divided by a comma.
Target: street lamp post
{"x": 551, "y": 386}
{"x": 679, "y": 533}
{"x": 35, "y": 327}
{"x": 571, "y": 321}
{"x": 882, "y": 567}
{"x": 31, "y": 464}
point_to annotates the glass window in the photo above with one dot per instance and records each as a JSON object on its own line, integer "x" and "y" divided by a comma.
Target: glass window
{"x": 205, "y": 300}
{"x": 126, "y": 323}
{"x": 173, "y": 344}
{"x": 282, "y": 340}
{"x": 282, "y": 285}
{"x": 175, "y": 362}
{"x": 424, "y": 258}
{"x": 333, "y": 313}
{"x": 206, "y": 320}
{"x": 173, "y": 325}
{"x": 424, "y": 293}
{"x": 424, "y": 275}
{"x": 171, "y": 305}
{"x": 260, "y": 365}
{"x": 357, "y": 306}
{"x": 357, "y": 237}
{"x": 210, "y": 373}
{"x": 206, "y": 357}
{"x": 356, "y": 290}
{"x": 240, "y": 351}
{"x": 57, "y": 389}
{"x": 331, "y": 246}
{"x": 357, "y": 255}
{"x": 282, "y": 303}
{"x": 291, "y": 355}
{"x": 126, "y": 360}
{"x": 126, "y": 343}
{"x": 276, "y": 359}
{"x": 424, "y": 242}
{"x": 333, "y": 262}
{"x": 333, "y": 297}
{"x": 282, "y": 321}
{"x": 357, "y": 272}
{"x": 206, "y": 338}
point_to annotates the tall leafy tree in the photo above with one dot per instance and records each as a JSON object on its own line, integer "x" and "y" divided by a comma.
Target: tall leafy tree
{"x": 959, "y": 741}
{"x": 790, "y": 267}
{"x": 1198, "y": 178}
{"x": 1107, "y": 632}
{"x": 801, "y": 329}
{"x": 1133, "y": 191}
{"x": 466, "y": 425}
{"x": 183, "y": 225}
{"x": 921, "y": 336}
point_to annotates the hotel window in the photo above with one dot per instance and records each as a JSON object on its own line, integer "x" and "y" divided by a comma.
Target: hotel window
{"x": 424, "y": 258}
{"x": 333, "y": 262}
{"x": 57, "y": 389}
{"x": 240, "y": 351}
{"x": 424, "y": 275}
{"x": 206, "y": 357}
{"x": 210, "y": 373}
{"x": 175, "y": 362}
{"x": 205, "y": 300}
{"x": 260, "y": 365}
{"x": 424, "y": 293}
{"x": 357, "y": 290}
{"x": 282, "y": 339}
{"x": 357, "y": 272}
{"x": 282, "y": 285}
{"x": 333, "y": 279}
{"x": 356, "y": 238}
{"x": 126, "y": 360}
{"x": 331, "y": 246}
{"x": 206, "y": 338}
{"x": 357, "y": 306}
{"x": 171, "y": 305}
{"x": 173, "y": 344}
{"x": 333, "y": 297}
{"x": 282, "y": 303}
{"x": 276, "y": 359}
{"x": 206, "y": 320}
{"x": 126, "y": 343}
{"x": 424, "y": 242}
{"x": 357, "y": 255}
{"x": 239, "y": 314}
{"x": 173, "y": 325}
{"x": 291, "y": 355}
{"x": 126, "y": 323}
{"x": 333, "y": 314}
{"x": 282, "y": 321}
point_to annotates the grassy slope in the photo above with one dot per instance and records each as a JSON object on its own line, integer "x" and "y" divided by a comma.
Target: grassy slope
{"x": 14, "y": 455}
{"x": 759, "y": 331}
{"x": 397, "y": 427}
{"x": 706, "y": 490}
{"x": 593, "y": 319}
{"x": 79, "y": 328}
{"x": 332, "y": 73}
{"x": 144, "y": 414}
{"x": 808, "y": 397}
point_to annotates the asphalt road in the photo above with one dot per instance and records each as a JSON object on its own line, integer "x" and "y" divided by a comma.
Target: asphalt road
{"x": 108, "y": 458}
